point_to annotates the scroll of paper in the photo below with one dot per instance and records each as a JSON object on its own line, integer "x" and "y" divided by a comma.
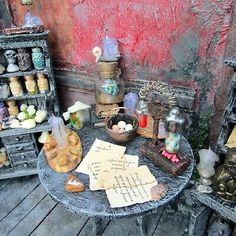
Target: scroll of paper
{"x": 127, "y": 187}
{"x": 108, "y": 163}
{"x": 102, "y": 147}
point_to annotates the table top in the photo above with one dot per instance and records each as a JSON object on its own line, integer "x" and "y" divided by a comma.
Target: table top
{"x": 95, "y": 203}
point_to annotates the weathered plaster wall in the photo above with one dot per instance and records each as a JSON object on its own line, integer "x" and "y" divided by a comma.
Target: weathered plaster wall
{"x": 178, "y": 41}
{"x": 5, "y": 17}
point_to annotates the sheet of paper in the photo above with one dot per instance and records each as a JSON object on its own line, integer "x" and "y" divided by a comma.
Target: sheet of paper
{"x": 124, "y": 188}
{"x": 106, "y": 163}
{"x": 99, "y": 146}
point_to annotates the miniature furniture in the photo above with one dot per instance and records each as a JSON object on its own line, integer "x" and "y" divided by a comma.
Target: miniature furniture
{"x": 95, "y": 203}
{"x": 21, "y": 144}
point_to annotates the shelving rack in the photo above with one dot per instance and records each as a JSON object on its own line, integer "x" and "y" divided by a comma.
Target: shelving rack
{"x": 21, "y": 144}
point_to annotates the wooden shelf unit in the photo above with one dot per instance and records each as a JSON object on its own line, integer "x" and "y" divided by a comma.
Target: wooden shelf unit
{"x": 21, "y": 144}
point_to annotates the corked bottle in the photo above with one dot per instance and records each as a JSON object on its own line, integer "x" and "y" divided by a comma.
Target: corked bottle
{"x": 12, "y": 108}
{"x": 30, "y": 85}
{"x": 42, "y": 83}
{"x": 15, "y": 86}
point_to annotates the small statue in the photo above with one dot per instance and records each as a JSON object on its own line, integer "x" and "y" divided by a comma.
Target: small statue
{"x": 10, "y": 56}
{"x": 206, "y": 169}
{"x": 224, "y": 182}
{"x": 174, "y": 124}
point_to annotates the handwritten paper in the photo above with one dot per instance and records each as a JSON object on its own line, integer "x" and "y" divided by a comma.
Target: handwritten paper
{"x": 127, "y": 187}
{"x": 99, "y": 146}
{"x": 111, "y": 162}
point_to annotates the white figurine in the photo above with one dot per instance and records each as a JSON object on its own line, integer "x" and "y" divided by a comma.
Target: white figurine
{"x": 10, "y": 56}
{"x": 206, "y": 169}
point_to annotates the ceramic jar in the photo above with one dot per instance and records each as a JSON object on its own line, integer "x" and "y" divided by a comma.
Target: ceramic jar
{"x": 4, "y": 91}
{"x": 30, "y": 85}
{"x": 38, "y": 59}
{"x": 24, "y": 59}
{"x": 12, "y": 108}
{"x": 42, "y": 83}
{"x": 3, "y": 111}
{"x": 15, "y": 86}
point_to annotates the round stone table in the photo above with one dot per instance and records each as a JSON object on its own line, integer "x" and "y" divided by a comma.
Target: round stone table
{"x": 95, "y": 203}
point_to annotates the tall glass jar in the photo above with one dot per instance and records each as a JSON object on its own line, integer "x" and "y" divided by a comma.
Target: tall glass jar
{"x": 38, "y": 59}
{"x": 109, "y": 90}
{"x": 109, "y": 86}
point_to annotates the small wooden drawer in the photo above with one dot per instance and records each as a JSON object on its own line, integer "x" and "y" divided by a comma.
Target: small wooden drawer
{"x": 20, "y": 147}
{"x": 25, "y": 165}
{"x": 17, "y": 139}
{"x": 23, "y": 156}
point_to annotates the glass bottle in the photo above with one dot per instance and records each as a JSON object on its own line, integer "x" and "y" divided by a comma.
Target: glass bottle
{"x": 38, "y": 59}
{"x": 3, "y": 111}
{"x": 12, "y": 108}
{"x": 142, "y": 112}
{"x": 109, "y": 86}
{"x": 30, "y": 85}
{"x": 42, "y": 83}
{"x": 24, "y": 59}
{"x": 15, "y": 86}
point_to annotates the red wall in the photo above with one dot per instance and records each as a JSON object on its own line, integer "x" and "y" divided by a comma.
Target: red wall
{"x": 173, "y": 40}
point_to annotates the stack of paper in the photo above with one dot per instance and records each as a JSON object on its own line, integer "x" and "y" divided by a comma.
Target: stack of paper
{"x": 110, "y": 169}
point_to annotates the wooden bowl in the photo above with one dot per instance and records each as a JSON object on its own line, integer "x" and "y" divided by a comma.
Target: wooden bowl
{"x": 126, "y": 135}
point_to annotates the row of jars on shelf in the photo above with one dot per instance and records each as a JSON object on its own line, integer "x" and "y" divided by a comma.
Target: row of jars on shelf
{"x": 32, "y": 86}
{"x": 21, "y": 59}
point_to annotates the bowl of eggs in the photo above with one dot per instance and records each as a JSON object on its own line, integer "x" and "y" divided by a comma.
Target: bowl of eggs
{"x": 121, "y": 127}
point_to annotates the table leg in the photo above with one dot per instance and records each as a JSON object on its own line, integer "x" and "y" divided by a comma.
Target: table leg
{"x": 96, "y": 227}
{"x": 141, "y": 225}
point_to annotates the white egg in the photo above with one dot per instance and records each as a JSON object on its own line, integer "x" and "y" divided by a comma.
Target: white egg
{"x": 128, "y": 127}
{"x": 121, "y": 124}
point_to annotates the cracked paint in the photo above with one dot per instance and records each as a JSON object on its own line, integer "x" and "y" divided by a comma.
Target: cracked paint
{"x": 179, "y": 41}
